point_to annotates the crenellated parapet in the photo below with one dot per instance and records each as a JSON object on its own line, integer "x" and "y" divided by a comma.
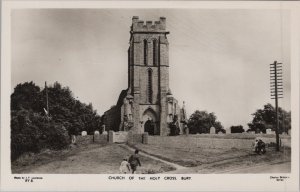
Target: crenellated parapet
{"x": 148, "y": 26}
{"x": 147, "y": 105}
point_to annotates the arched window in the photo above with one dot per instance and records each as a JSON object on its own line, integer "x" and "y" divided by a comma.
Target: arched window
{"x": 145, "y": 52}
{"x": 154, "y": 52}
{"x": 149, "y": 86}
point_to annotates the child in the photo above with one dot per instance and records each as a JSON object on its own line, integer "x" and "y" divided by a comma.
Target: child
{"x": 125, "y": 166}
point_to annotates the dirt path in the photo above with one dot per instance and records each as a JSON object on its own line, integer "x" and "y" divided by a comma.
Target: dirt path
{"x": 179, "y": 168}
{"x": 223, "y": 166}
{"x": 283, "y": 167}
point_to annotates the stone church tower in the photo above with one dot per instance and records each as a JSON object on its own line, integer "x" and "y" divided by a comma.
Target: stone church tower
{"x": 147, "y": 105}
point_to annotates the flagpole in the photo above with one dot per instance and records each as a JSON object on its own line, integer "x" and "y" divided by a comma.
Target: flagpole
{"x": 47, "y": 97}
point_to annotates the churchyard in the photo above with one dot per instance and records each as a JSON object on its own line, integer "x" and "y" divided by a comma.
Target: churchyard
{"x": 84, "y": 158}
{"x": 202, "y": 154}
{"x": 217, "y": 157}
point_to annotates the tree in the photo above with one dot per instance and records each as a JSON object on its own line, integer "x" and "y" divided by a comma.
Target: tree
{"x": 25, "y": 96}
{"x": 202, "y": 121}
{"x": 266, "y": 119}
{"x": 237, "y": 129}
{"x": 32, "y": 130}
{"x": 64, "y": 108}
{"x": 219, "y": 127}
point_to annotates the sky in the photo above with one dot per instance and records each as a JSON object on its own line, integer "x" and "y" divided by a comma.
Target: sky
{"x": 219, "y": 59}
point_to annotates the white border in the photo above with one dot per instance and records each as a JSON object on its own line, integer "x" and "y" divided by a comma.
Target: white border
{"x": 93, "y": 182}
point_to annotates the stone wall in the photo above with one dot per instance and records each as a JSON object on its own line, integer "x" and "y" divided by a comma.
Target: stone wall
{"x": 118, "y": 137}
{"x": 127, "y": 137}
{"x": 88, "y": 139}
{"x": 144, "y": 84}
{"x": 112, "y": 117}
{"x": 207, "y": 143}
{"x": 135, "y": 138}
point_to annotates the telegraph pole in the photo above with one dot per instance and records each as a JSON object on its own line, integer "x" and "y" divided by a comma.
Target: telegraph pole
{"x": 276, "y": 92}
{"x": 47, "y": 103}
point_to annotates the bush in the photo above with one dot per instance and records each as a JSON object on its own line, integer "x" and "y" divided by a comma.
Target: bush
{"x": 222, "y": 130}
{"x": 32, "y": 129}
{"x": 202, "y": 121}
{"x": 31, "y": 132}
{"x": 266, "y": 118}
{"x": 237, "y": 129}
{"x": 55, "y": 137}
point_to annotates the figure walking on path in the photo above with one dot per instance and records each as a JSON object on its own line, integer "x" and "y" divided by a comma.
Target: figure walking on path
{"x": 134, "y": 161}
{"x": 125, "y": 166}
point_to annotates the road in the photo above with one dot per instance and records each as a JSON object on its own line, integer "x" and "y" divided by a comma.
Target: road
{"x": 283, "y": 167}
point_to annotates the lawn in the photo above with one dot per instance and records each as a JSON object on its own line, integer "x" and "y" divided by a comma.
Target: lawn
{"x": 217, "y": 159}
{"x": 96, "y": 158}
{"x": 89, "y": 159}
{"x": 239, "y": 136}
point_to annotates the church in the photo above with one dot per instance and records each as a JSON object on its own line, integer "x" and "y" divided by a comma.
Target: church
{"x": 147, "y": 105}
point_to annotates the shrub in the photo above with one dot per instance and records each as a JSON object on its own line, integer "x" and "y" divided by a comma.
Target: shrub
{"x": 202, "y": 121}
{"x": 237, "y": 129}
{"x": 31, "y": 132}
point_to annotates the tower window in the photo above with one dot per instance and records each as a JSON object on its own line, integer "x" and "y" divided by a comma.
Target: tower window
{"x": 145, "y": 52}
{"x": 149, "y": 86}
{"x": 154, "y": 52}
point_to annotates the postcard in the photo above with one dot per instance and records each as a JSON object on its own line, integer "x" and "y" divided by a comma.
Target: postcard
{"x": 150, "y": 96}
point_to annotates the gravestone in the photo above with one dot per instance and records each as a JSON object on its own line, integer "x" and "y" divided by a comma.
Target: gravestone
{"x": 269, "y": 131}
{"x": 220, "y": 133}
{"x": 273, "y": 132}
{"x": 228, "y": 131}
{"x": 283, "y": 133}
{"x": 104, "y": 132}
{"x": 83, "y": 133}
{"x": 186, "y": 130}
{"x": 96, "y": 133}
{"x": 289, "y": 132}
{"x": 212, "y": 130}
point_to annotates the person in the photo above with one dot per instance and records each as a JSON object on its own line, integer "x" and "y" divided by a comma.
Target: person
{"x": 261, "y": 146}
{"x": 134, "y": 161}
{"x": 256, "y": 146}
{"x": 125, "y": 166}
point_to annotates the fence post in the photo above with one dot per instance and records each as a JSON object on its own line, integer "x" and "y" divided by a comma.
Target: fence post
{"x": 110, "y": 136}
{"x": 145, "y": 138}
{"x": 130, "y": 137}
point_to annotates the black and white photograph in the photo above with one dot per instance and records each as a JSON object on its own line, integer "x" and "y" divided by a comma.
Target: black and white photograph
{"x": 151, "y": 91}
